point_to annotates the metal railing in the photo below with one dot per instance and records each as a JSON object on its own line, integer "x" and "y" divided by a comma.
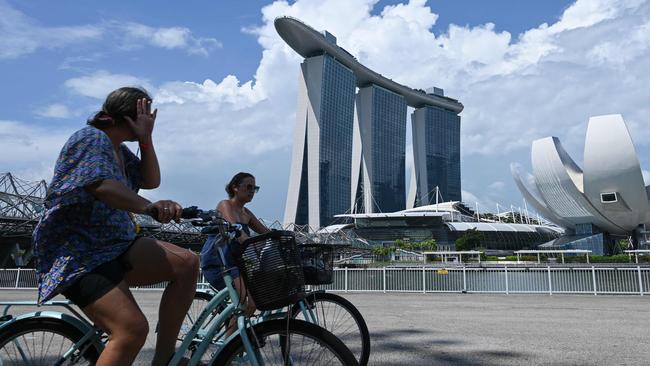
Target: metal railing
{"x": 505, "y": 280}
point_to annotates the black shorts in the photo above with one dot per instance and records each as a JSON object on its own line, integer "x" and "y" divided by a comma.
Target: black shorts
{"x": 91, "y": 286}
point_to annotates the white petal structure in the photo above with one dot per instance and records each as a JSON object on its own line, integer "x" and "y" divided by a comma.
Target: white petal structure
{"x": 535, "y": 200}
{"x": 613, "y": 180}
{"x": 609, "y": 194}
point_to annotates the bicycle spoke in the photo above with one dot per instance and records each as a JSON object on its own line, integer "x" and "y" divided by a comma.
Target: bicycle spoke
{"x": 37, "y": 348}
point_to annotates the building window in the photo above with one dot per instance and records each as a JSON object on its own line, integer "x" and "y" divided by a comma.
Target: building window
{"x": 608, "y": 197}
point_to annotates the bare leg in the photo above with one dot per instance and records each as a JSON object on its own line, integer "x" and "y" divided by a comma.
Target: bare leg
{"x": 245, "y": 298}
{"x": 118, "y": 314}
{"x": 155, "y": 261}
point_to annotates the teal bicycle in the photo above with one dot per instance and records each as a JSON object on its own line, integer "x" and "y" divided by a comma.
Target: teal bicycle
{"x": 330, "y": 311}
{"x": 56, "y": 338}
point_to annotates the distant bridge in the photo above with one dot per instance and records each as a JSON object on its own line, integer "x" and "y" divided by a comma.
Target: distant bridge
{"x": 21, "y": 206}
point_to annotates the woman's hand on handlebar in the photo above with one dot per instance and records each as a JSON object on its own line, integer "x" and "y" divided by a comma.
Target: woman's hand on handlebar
{"x": 164, "y": 211}
{"x": 242, "y": 237}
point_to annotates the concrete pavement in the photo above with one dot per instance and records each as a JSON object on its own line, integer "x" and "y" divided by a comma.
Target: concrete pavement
{"x": 481, "y": 329}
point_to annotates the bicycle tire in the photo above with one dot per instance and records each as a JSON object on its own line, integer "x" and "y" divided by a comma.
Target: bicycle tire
{"x": 362, "y": 352}
{"x": 29, "y": 329}
{"x": 265, "y": 333}
{"x": 201, "y": 299}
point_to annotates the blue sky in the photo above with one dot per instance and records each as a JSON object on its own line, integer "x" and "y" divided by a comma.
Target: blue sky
{"x": 226, "y": 84}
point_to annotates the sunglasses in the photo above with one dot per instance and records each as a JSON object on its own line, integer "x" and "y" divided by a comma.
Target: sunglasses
{"x": 251, "y": 187}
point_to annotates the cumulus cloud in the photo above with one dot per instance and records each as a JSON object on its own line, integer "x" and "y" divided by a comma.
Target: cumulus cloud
{"x": 21, "y": 35}
{"x": 55, "y": 110}
{"x": 98, "y": 84}
{"x": 169, "y": 38}
{"x": 498, "y": 185}
{"x": 33, "y": 149}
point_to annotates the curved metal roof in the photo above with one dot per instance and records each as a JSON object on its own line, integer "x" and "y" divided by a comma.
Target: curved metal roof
{"x": 309, "y": 42}
{"x": 497, "y": 226}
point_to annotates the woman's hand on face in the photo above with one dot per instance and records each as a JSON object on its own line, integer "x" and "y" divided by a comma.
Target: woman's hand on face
{"x": 143, "y": 125}
{"x": 166, "y": 210}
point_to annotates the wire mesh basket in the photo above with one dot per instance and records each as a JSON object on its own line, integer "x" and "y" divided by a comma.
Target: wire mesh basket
{"x": 271, "y": 267}
{"x": 317, "y": 263}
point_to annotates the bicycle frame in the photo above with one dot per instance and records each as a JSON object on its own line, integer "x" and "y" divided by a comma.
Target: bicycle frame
{"x": 209, "y": 332}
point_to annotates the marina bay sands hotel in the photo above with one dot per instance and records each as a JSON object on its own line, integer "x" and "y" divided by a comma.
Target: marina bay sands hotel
{"x": 349, "y": 147}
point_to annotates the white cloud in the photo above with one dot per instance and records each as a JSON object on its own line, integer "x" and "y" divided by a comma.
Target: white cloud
{"x": 33, "y": 149}
{"x": 169, "y": 38}
{"x": 98, "y": 84}
{"x": 498, "y": 185}
{"x": 20, "y": 35}
{"x": 55, "y": 110}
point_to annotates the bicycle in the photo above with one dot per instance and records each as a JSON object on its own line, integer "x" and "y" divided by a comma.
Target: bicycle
{"x": 330, "y": 311}
{"x": 279, "y": 340}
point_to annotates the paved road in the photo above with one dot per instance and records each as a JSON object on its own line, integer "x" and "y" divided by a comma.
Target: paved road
{"x": 475, "y": 329}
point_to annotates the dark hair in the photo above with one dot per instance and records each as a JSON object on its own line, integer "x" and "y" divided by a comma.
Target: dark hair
{"x": 235, "y": 181}
{"x": 119, "y": 103}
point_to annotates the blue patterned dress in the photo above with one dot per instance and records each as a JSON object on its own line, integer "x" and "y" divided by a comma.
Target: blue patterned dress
{"x": 78, "y": 232}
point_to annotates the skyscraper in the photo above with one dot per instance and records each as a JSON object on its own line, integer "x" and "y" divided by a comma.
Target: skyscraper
{"x": 379, "y": 143}
{"x": 436, "y": 155}
{"x": 319, "y": 184}
{"x": 328, "y": 176}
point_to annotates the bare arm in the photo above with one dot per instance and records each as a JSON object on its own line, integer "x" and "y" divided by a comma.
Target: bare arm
{"x": 256, "y": 224}
{"x": 143, "y": 127}
{"x": 226, "y": 212}
{"x": 149, "y": 168}
{"x": 117, "y": 195}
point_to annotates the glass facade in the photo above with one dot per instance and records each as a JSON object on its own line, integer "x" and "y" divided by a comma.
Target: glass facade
{"x": 417, "y": 229}
{"x": 336, "y": 121}
{"x": 441, "y": 151}
{"x": 388, "y": 125}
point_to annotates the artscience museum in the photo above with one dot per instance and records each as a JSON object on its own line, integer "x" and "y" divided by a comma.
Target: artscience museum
{"x": 599, "y": 204}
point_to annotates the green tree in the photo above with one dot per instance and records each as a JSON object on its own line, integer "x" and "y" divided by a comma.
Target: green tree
{"x": 471, "y": 239}
{"x": 382, "y": 253}
{"x": 427, "y": 245}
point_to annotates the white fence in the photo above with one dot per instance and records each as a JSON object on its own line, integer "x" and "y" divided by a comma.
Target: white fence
{"x": 506, "y": 280}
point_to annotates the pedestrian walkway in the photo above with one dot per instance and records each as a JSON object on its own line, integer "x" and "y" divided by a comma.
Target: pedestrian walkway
{"x": 483, "y": 329}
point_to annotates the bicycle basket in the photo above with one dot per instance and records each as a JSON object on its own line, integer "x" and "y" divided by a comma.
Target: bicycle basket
{"x": 317, "y": 263}
{"x": 270, "y": 265}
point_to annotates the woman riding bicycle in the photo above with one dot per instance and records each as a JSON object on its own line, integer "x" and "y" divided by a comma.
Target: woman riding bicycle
{"x": 240, "y": 190}
{"x": 86, "y": 245}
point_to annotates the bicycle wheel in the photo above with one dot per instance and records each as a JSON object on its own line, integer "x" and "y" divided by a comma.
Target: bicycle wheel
{"x": 307, "y": 344}
{"x": 43, "y": 341}
{"x": 201, "y": 299}
{"x": 342, "y": 319}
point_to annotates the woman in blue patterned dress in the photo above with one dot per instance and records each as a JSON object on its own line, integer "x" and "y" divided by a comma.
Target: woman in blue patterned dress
{"x": 85, "y": 243}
